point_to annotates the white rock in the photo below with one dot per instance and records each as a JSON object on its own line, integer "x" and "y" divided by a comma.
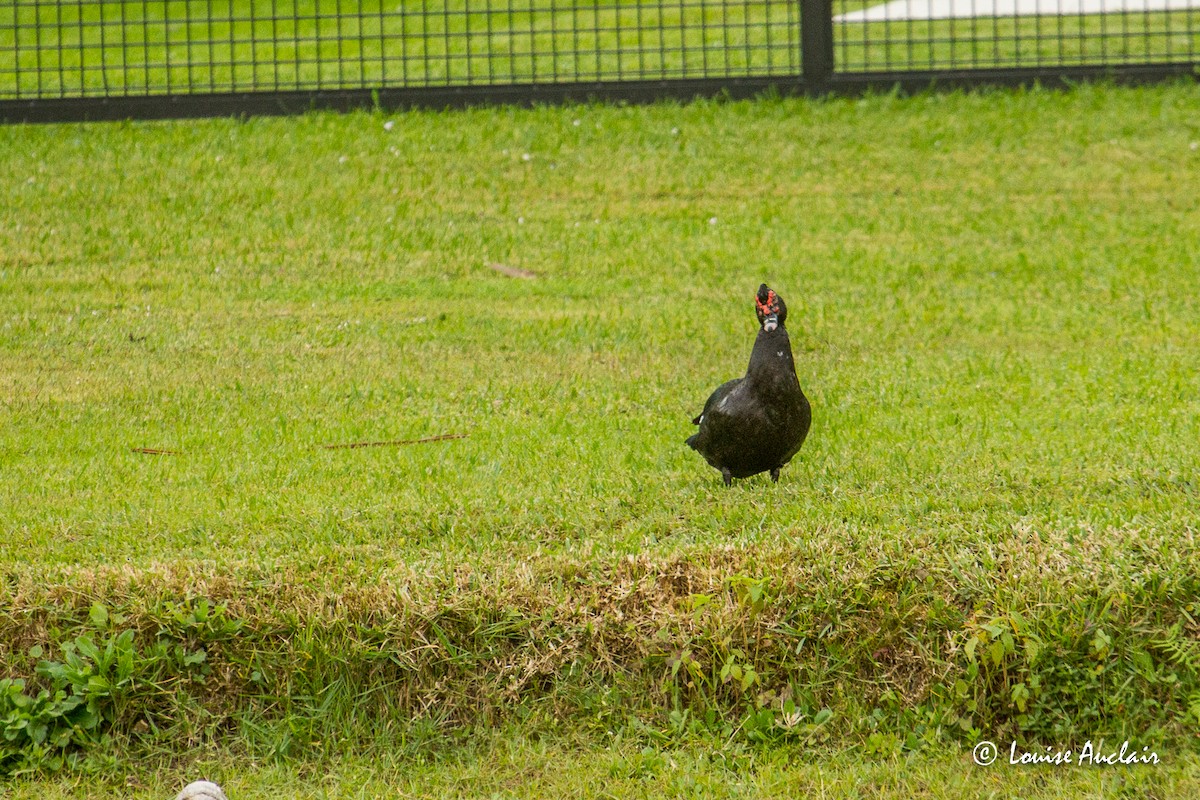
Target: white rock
{"x": 201, "y": 790}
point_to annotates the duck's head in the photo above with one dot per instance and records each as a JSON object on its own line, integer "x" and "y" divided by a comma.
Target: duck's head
{"x": 772, "y": 311}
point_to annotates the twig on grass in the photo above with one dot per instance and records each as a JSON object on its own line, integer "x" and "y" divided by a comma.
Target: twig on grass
{"x": 157, "y": 451}
{"x": 512, "y": 272}
{"x": 395, "y": 442}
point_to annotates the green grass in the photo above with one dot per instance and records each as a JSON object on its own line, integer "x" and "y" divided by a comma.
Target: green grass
{"x": 512, "y": 767}
{"x": 992, "y": 319}
{"x": 990, "y": 532}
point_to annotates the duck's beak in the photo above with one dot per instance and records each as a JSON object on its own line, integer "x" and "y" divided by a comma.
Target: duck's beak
{"x": 770, "y": 322}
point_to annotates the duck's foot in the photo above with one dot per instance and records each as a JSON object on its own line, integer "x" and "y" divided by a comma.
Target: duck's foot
{"x": 728, "y": 476}
{"x": 775, "y": 475}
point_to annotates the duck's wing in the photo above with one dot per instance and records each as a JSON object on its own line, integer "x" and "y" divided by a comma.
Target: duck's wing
{"x": 715, "y": 398}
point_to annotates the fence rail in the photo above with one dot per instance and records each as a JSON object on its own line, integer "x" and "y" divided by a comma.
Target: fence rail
{"x": 92, "y": 59}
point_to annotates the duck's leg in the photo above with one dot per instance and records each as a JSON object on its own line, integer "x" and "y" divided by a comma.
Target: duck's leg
{"x": 775, "y": 475}
{"x": 727, "y": 475}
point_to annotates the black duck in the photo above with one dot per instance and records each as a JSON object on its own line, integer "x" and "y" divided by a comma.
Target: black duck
{"x": 757, "y": 423}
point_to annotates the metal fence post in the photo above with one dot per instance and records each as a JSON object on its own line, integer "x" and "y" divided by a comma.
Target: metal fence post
{"x": 816, "y": 44}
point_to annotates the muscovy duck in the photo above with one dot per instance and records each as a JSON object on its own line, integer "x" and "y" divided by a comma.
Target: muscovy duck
{"x": 757, "y": 423}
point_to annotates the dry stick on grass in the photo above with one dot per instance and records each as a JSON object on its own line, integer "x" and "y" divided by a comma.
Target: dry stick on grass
{"x": 512, "y": 272}
{"x": 395, "y": 442}
{"x": 157, "y": 451}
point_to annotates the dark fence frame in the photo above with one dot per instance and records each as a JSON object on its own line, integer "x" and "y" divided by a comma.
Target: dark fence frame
{"x": 818, "y": 76}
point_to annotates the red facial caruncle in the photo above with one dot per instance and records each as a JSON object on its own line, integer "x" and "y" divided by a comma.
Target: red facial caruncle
{"x": 769, "y": 307}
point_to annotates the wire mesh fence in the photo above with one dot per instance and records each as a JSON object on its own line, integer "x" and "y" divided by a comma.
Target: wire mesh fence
{"x": 906, "y": 35}
{"x": 106, "y": 49}
{"x": 61, "y": 49}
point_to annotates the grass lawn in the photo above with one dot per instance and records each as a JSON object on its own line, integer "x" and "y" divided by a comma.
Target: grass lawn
{"x": 512, "y": 767}
{"x": 990, "y": 532}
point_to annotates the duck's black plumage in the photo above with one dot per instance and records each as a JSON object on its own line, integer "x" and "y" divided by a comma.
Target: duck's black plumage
{"x": 757, "y": 423}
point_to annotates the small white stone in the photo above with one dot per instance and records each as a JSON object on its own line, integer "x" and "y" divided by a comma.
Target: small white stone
{"x": 576, "y": 123}
{"x": 391, "y": 123}
{"x": 201, "y": 790}
{"x": 712, "y": 220}
{"x": 526, "y": 157}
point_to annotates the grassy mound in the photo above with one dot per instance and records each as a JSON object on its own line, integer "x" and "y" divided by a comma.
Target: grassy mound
{"x": 891, "y": 647}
